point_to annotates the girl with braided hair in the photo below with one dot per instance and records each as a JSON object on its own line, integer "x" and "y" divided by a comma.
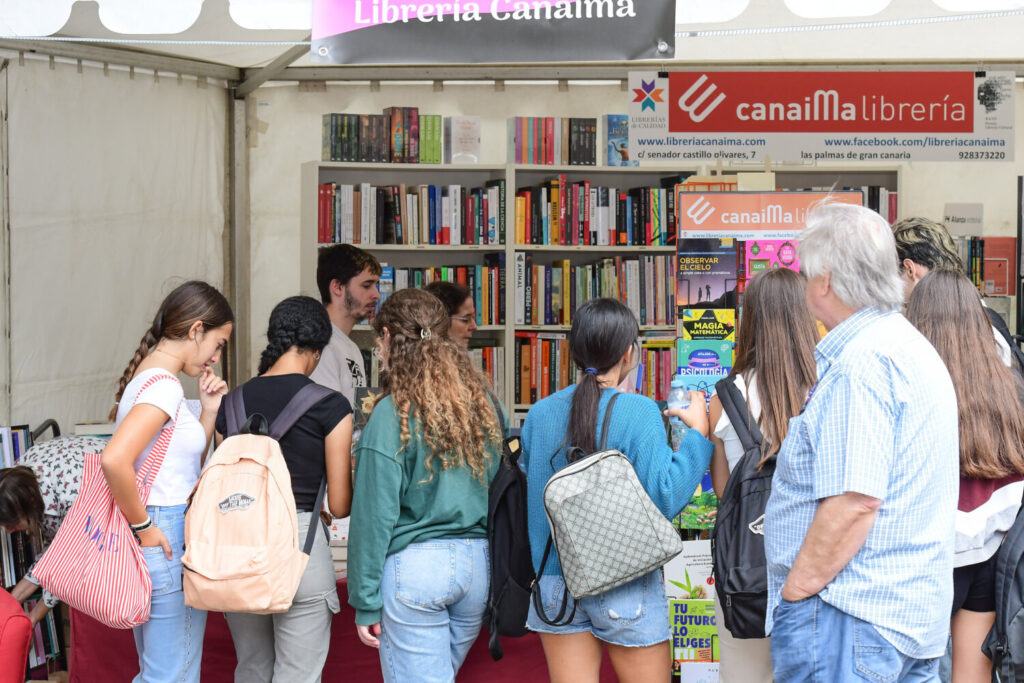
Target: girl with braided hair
{"x": 188, "y": 334}
{"x": 292, "y": 646}
{"x": 418, "y": 569}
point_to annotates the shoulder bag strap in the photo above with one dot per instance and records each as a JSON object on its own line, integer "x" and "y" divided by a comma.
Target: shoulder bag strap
{"x": 304, "y": 399}
{"x": 234, "y": 411}
{"x": 155, "y": 459}
{"x": 500, "y": 413}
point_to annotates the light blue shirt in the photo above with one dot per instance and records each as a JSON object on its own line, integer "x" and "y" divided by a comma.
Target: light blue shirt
{"x": 882, "y": 422}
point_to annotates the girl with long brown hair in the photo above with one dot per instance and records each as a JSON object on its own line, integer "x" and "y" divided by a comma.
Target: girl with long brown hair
{"x": 418, "y": 572}
{"x": 188, "y": 334}
{"x": 946, "y": 308}
{"x": 774, "y": 370}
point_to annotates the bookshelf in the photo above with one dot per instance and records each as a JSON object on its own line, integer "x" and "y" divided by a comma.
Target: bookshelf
{"x": 517, "y": 176}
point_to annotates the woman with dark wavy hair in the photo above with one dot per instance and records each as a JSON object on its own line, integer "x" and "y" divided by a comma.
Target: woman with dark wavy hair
{"x": 418, "y": 573}
{"x": 292, "y": 646}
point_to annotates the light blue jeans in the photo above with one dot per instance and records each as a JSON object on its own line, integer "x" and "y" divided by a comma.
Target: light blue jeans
{"x": 813, "y": 641}
{"x": 434, "y": 596}
{"x": 170, "y": 644}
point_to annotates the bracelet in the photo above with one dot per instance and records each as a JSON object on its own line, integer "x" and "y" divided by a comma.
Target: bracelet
{"x": 141, "y": 526}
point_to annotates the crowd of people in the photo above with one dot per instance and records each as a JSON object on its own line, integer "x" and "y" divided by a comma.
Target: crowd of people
{"x": 898, "y": 439}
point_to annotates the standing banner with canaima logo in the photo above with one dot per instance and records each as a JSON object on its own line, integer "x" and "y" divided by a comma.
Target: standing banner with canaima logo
{"x": 748, "y": 215}
{"x": 822, "y": 116}
{"x": 461, "y": 31}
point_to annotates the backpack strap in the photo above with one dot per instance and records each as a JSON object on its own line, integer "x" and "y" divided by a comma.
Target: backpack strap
{"x": 234, "y": 411}
{"x": 607, "y": 421}
{"x": 499, "y": 412}
{"x": 304, "y": 399}
{"x": 735, "y": 406}
{"x": 315, "y": 517}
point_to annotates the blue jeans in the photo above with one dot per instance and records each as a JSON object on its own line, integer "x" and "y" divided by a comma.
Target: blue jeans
{"x": 170, "y": 644}
{"x": 434, "y": 596}
{"x": 813, "y": 641}
{"x": 633, "y": 615}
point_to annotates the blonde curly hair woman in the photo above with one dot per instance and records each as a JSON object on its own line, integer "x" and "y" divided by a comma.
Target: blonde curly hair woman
{"x": 418, "y": 569}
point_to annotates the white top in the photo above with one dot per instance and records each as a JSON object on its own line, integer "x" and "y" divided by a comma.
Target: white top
{"x": 341, "y": 366}
{"x": 724, "y": 429}
{"x": 183, "y": 460}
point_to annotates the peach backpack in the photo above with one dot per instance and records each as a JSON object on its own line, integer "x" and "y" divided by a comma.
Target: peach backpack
{"x": 242, "y": 550}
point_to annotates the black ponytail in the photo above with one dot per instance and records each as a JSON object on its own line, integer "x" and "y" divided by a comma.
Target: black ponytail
{"x": 298, "y": 321}
{"x": 602, "y": 332}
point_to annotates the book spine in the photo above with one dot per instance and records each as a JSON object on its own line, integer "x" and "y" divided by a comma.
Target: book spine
{"x": 413, "y": 136}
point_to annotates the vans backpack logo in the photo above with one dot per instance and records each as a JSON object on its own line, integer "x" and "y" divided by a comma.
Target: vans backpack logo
{"x": 236, "y": 501}
{"x": 757, "y": 526}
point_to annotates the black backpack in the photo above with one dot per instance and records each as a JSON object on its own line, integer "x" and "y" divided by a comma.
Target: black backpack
{"x": 508, "y": 602}
{"x": 1005, "y": 642}
{"x": 737, "y": 539}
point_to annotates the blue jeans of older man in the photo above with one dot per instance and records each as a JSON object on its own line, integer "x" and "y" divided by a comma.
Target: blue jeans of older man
{"x": 814, "y": 642}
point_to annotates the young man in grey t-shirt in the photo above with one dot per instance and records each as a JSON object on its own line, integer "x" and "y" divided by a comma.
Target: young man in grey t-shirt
{"x": 347, "y": 278}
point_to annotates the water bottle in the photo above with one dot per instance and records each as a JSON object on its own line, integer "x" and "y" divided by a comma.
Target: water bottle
{"x": 679, "y": 398}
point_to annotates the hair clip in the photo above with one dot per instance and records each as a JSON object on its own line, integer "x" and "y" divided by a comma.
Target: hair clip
{"x": 425, "y": 333}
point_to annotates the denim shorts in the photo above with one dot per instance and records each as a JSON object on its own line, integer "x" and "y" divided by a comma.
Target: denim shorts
{"x": 633, "y": 615}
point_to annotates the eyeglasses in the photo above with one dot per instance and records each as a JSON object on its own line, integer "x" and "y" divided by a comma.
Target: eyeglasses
{"x": 464, "y": 319}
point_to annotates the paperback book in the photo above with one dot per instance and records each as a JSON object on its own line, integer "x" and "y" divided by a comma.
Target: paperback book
{"x": 706, "y": 273}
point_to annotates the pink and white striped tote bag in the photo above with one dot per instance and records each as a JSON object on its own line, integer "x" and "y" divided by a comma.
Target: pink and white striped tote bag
{"x": 94, "y": 563}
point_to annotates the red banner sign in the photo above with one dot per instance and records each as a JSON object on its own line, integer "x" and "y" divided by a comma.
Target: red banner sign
{"x": 821, "y": 102}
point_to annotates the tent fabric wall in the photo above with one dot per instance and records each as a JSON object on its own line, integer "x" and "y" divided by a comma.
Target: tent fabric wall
{"x": 116, "y": 194}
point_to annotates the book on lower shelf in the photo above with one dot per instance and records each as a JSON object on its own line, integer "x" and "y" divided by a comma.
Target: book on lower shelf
{"x": 453, "y": 214}
{"x": 546, "y": 294}
{"x": 486, "y": 284}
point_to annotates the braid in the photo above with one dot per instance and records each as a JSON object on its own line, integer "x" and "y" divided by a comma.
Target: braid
{"x": 277, "y": 345}
{"x": 149, "y": 340}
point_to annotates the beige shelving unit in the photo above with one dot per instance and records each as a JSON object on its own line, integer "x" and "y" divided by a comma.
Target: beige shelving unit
{"x": 316, "y": 172}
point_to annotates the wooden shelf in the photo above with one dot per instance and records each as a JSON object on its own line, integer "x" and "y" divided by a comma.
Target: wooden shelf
{"x": 441, "y": 168}
{"x": 566, "y": 328}
{"x": 427, "y": 247}
{"x": 585, "y": 248}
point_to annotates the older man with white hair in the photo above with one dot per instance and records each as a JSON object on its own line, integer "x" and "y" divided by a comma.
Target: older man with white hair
{"x": 859, "y": 530}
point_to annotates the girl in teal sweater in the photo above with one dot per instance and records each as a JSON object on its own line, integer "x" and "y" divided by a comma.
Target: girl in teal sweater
{"x": 418, "y": 572}
{"x": 631, "y": 620}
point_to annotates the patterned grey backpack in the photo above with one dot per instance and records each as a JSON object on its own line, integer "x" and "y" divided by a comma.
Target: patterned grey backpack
{"x": 605, "y": 527}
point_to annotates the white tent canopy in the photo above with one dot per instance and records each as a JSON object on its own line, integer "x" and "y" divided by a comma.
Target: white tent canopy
{"x": 123, "y": 178}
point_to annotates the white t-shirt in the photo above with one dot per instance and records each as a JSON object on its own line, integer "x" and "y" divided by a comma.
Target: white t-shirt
{"x": 724, "y": 429}
{"x": 183, "y": 458}
{"x": 341, "y": 366}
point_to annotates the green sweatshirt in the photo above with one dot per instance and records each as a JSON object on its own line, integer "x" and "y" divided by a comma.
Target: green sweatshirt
{"x": 394, "y": 504}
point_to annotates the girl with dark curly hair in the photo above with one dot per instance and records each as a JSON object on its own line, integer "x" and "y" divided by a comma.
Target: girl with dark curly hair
{"x": 418, "y": 573}
{"x": 292, "y": 646}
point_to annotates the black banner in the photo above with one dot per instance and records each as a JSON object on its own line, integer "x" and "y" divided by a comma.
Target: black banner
{"x": 428, "y": 32}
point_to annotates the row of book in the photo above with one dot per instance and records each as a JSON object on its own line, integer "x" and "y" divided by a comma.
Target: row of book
{"x": 14, "y": 441}
{"x": 563, "y": 213}
{"x": 544, "y": 366}
{"x": 553, "y": 140}
{"x": 972, "y": 255}
{"x": 415, "y": 214}
{"x": 400, "y": 135}
{"x": 18, "y": 552}
{"x": 486, "y": 353}
{"x": 548, "y": 294}
{"x": 486, "y": 284}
